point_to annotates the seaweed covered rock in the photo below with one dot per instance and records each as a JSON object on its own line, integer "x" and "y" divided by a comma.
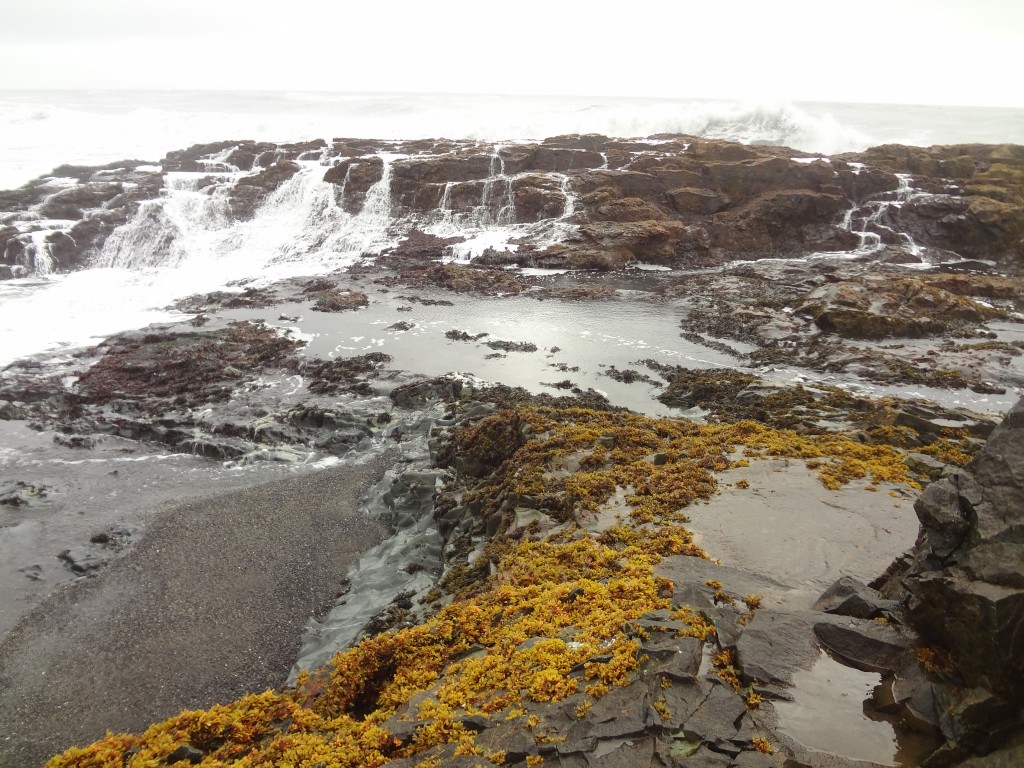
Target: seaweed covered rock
{"x": 196, "y": 366}
{"x": 577, "y": 623}
{"x": 461, "y": 278}
{"x": 876, "y": 309}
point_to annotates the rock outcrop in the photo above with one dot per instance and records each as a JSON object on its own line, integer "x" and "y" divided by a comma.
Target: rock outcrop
{"x": 963, "y": 590}
{"x": 673, "y": 200}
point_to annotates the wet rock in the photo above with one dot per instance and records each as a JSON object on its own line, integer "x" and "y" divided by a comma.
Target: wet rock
{"x": 249, "y": 192}
{"x": 417, "y": 248}
{"x": 868, "y": 645}
{"x": 83, "y": 559}
{"x": 849, "y": 597}
{"x": 355, "y": 177}
{"x": 72, "y": 203}
{"x": 249, "y": 298}
{"x": 875, "y": 309}
{"x": 338, "y": 300}
{"x": 512, "y": 346}
{"x": 704, "y": 202}
{"x": 579, "y": 293}
{"x": 924, "y": 465}
{"x": 213, "y": 447}
{"x": 348, "y": 374}
{"x": 775, "y": 645}
{"x": 17, "y": 493}
{"x": 537, "y": 197}
{"x": 461, "y": 278}
{"x": 781, "y": 222}
{"x": 418, "y": 394}
{"x": 161, "y": 364}
{"x": 456, "y": 335}
{"x": 1010, "y": 757}
{"x": 196, "y": 158}
{"x": 963, "y": 589}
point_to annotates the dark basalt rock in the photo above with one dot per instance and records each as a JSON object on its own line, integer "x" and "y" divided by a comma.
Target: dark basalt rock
{"x": 849, "y": 597}
{"x": 963, "y": 590}
{"x": 355, "y": 176}
{"x": 338, "y": 300}
{"x": 681, "y": 201}
{"x": 181, "y": 365}
{"x": 249, "y": 192}
{"x": 460, "y": 278}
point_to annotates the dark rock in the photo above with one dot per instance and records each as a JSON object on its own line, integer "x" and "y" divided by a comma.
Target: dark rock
{"x": 76, "y": 441}
{"x": 878, "y": 309}
{"x": 71, "y": 203}
{"x": 461, "y": 278}
{"x": 249, "y": 192}
{"x": 83, "y": 559}
{"x": 340, "y": 301}
{"x": 944, "y": 520}
{"x": 867, "y": 645}
{"x": 703, "y": 202}
{"x": 186, "y": 752}
{"x": 849, "y": 597}
{"x": 355, "y": 176}
{"x": 775, "y": 645}
{"x": 963, "y": 590}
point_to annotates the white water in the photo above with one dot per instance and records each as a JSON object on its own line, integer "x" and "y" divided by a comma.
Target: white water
{"x": 185, "y": 242}
{"x": 41, "y": 129}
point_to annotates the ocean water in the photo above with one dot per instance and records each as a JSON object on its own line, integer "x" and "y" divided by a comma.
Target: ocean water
{"x": 42, "y": 129}
{"x": 299, "y": 230}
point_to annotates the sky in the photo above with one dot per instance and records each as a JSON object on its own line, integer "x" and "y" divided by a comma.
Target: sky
{"x": 898, "y": 51}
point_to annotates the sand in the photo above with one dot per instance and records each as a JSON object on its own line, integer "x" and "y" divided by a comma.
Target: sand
{"x": 208, "y": 606}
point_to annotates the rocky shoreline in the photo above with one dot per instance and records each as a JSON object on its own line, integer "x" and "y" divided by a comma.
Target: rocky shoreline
{"x": 572, "y": 446}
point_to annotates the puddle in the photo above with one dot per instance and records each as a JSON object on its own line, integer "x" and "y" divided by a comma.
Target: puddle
{"x": 828, "y": 714}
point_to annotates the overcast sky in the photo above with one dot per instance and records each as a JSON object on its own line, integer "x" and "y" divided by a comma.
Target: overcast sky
{"x": 904, "y": 51}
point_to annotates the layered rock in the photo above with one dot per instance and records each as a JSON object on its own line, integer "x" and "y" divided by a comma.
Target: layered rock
{"x": 674, "y": 200}
{"x": 978, "y": 206}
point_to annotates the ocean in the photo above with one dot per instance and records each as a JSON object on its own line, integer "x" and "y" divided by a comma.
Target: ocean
{"x": 40, "y": 130}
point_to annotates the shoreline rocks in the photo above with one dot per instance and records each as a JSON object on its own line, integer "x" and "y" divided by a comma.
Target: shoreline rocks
{"x": 541, "y": 597}
{"x": 962, "y": 588}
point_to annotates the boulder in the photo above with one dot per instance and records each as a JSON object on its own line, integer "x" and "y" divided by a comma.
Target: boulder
{"x": 71, "y": 203}
{"x": 849, "y": 597}
{"x": 790, "y": 220}
{"x": 536, "y": 196}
